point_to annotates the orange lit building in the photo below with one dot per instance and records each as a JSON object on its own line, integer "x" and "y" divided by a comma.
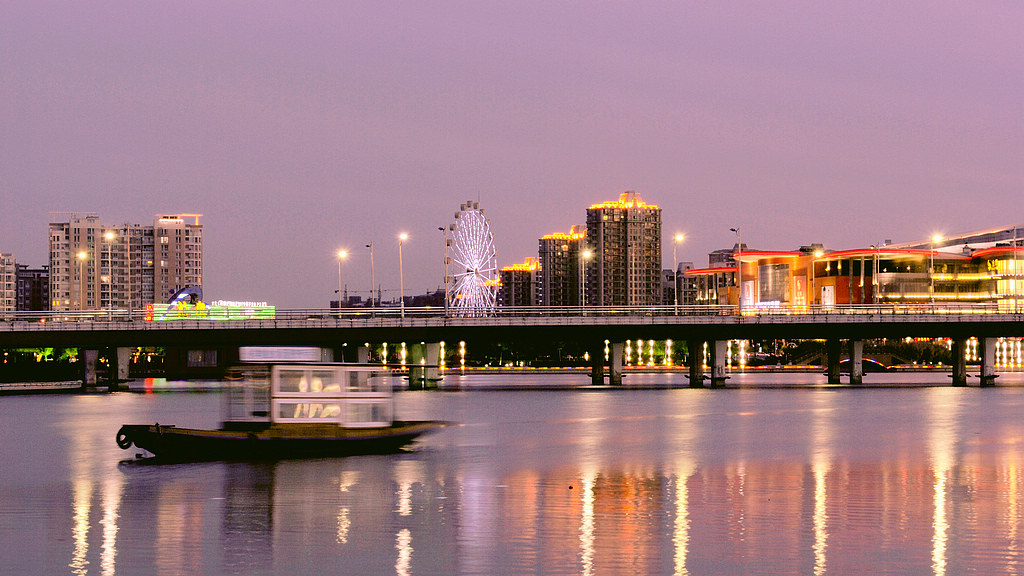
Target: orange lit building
{"x": 625, "y": 237}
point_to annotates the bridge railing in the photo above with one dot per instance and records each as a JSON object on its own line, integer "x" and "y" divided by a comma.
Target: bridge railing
{"x": 47, "y": 320}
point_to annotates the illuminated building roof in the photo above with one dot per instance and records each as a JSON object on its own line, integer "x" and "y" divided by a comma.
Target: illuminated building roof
{"x": 627, "y": 200}
{"x": 563, "y": 236}
{"x": 529, "y": 265}
{"x": 707, "y": 271}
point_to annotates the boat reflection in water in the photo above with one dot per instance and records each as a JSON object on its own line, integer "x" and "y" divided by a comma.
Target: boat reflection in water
{"x": 777, "y": 481}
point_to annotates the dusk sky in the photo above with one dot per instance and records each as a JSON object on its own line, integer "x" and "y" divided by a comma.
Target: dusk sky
{"x": 297, "y": 128}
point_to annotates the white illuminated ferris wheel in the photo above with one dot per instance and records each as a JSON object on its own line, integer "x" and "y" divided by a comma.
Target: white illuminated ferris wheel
{"x": 474, "y": 266}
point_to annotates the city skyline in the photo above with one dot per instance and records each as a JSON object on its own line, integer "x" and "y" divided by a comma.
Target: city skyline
{"x": 298, "y": 131}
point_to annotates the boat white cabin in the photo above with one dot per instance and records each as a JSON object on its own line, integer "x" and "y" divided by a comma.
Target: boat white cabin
{"x": 349, "y": 395}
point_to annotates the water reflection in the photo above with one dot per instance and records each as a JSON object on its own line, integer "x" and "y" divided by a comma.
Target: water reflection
{"x": 922, "y": 481}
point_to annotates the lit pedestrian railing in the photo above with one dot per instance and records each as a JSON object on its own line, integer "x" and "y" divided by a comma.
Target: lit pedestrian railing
{"x": 122, "y": 319}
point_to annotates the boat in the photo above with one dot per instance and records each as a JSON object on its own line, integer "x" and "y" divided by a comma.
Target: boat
{"x": 281, "y": 411}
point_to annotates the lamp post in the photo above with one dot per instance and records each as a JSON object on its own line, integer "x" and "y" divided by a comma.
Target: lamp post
{"x": 341, "y": 256}
{"x": 931, "y": 268}
{"x": 109, "y": 237}
{"x": 814, "y": 256}
{"x": 739, "y": 266}
{"x": 584, "y": 256}
{"x": 401, "y": 276}
{"x": 675, "y": 270}
{"x": 444, "y": 232}
{"x": 82, "y": 255}
{"x": 370, "y": 246}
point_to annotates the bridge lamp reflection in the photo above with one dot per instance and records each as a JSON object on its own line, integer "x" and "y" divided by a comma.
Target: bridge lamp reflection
{"x": 462, "y": 353}
{"x": 384, "y": 354}
{"x": 440, "y": 359}
{"x": 402, "y": 354}
{"x": 650, "y": 349}
{"x": 668, "y": 352}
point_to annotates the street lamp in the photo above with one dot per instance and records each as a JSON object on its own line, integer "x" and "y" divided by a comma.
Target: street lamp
{"x": 109, "y": 237}
{"x": 444, "y": 232}
{"x": 401, "y": 276}
{"x": 342, "y": 254}
{"x": 82, "y": 255}
{"x": 739, "y": 265}
{"x": 931, "y": 268}
{"x": 814, "y": 255}
{"x": 584, "y": 256}
{"x": 370, "y": 246}
{"x": 675, "y": 269}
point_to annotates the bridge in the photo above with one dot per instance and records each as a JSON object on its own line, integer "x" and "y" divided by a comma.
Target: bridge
{"x": 590, "y": 325}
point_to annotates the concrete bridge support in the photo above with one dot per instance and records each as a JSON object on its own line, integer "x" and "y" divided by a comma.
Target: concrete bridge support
{"x": 695, "y": 349}
{"x": 856, "y": 361}
{"x": 832, "y": 351}
{"x": 424, "y": 359}
{"x": 959, "y": 362}
{"x": 719, "y": 350}
{"x": 988, "y": 361}
{"x": 597, "y": 366}
{"x": 363, "y": 355}
{"x": 88, "y": 359}
{"x": 121, "y": 358}
{"x": 615, "y": 363}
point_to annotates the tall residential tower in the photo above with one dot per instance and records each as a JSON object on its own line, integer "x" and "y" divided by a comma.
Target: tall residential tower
{"x": 625, "y": 237}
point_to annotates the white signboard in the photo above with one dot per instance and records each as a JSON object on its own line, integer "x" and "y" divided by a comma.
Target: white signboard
{"x": 269, "y": 354}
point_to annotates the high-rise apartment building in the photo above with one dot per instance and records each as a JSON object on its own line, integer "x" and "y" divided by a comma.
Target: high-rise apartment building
{"x": 519, "y": 284}
{"x": 96, "y": 266}
{"x": 625, "y": 237}
{"x": 561, "y": 262}
{"x": 33, "y": 288}
{"x": 8, "y": 283}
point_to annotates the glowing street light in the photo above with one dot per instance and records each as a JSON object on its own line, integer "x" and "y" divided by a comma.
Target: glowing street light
{"x": 82, "y": 255}
{"x": 584, "y": 256}
{"x": 342, "y": 254}
{"x": 675, "y": 269}
{"x": 931, "y": 268}
{"x": 372, "y": 283}
{"x": 401, "y": 276}
{"x": 739, "y": 265}
{"x": 814, "y": 255}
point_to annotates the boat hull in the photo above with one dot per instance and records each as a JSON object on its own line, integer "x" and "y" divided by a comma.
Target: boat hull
{"x": 269, "y": 442}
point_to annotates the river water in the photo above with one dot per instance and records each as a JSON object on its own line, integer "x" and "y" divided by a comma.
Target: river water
{"x": 768, "y": 476}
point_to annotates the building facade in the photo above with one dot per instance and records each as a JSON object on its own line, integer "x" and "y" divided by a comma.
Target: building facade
{"x": 33, "y": 288}
{"x": 625, "y": 237}
{"x": 519, "y": 284}
{"x": 560, "y": 259}
{"x": 96, "y": 266}
{"x": 8, "y": 283}
{"x": 985, "y": 267}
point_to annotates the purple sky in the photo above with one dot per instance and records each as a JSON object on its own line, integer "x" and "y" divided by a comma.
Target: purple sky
{"x": 299, "y": 130}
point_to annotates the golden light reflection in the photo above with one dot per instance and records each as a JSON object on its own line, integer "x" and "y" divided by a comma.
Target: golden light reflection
{"x": 406, "y": 474}
{"x": 587, "y": 523}
{"x": 821, "y": 464}
{"x": 344, "y": 524}
{"x": 112, "y": 489}
{"x": 80, "y": 526}
{"x": 403, "y": 543}
{"x": 681, "y": 533}
{"x": 941, "y": 443}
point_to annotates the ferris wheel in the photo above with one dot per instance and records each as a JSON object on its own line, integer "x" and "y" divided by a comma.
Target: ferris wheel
{"x": 475, "y": 275}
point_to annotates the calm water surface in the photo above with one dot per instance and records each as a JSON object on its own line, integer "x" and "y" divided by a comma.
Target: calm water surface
{"x": 760, "y": 478}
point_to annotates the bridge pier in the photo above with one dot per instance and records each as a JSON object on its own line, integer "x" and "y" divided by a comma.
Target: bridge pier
{"x": 959, "y": 362}
{"x": 695, "y": 350}
{"x": 423, "y": 364}
{"x": 988, "y": 361}
{"x": 120, "y": 359}
{"x": 832, "y": 351}
{"x": 719, "y": 350}
{"x": 89, "y": 357}
{"x": 856, "y": 361}
{"x": 615, "y": 364}
{"x": 363, "y": 355}
{"x": 596, "y": 365}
